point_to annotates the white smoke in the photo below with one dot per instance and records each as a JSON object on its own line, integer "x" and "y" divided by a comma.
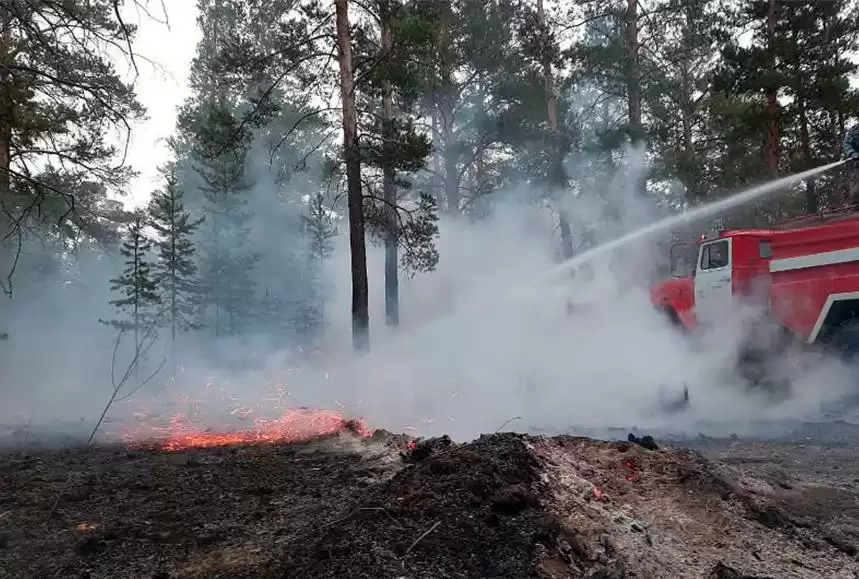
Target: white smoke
{"x": 486, "y": 342}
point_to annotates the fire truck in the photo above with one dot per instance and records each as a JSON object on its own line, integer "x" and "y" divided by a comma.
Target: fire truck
{"x": 801, "y": 275}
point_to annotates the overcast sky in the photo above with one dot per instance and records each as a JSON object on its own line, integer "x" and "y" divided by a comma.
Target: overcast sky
{"x": 161, "y": 87}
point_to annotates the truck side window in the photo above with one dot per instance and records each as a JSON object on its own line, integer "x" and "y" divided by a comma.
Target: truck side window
{"x": 715, "y": 255}
{"x": 765, "y": 250}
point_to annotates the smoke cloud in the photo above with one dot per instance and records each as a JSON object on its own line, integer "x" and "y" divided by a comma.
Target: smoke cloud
{"x": 481, "y": 346}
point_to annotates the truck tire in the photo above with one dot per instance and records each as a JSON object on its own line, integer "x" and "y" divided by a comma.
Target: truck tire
{"x": 755, "y": 368}
{"x": 673, "y": 318}
{"x": 845, "y": 339}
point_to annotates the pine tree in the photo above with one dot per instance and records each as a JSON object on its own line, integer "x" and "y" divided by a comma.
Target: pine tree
{"x": 392, "y": 78}
{"x": 59, "y": 99}
{"x": 681, "y": 92}
{"x": 791, "y": 85}
{"x": 319, "y": 232}
{"x": 140, "y": 301}
{"x": 319, "y": 229}
{"x": 174, "y": 271}
{"x": 251, "y": 112}
{"x": 226, "y": 265}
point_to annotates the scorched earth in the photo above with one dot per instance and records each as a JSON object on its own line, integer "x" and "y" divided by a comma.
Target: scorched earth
{"x": 351, "y": 504}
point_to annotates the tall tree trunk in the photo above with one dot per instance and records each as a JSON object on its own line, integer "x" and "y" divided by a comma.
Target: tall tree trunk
{"x": 173, "y": 273}
{"x": 689, "y": 171}
{"x": 136, "y": 306}
{"x": 633, "y": 87}
{"x": 479, "y": 190}
{"x": 7, "y": 116}
{"x": 558, "y": 179}
{"x": 849, "y": 170}
{"x": 812, "y": 205}
{"x": 445, "y": 107}
{"x": 451, "y": 166}
{"x": 6, "y": 105}
{"x": 771, "y": 109}
{"x": 478, "y": 174}
{"x": 437, "y": 181}
{"x": 389, "y": 192}
{"x": 633, "y": 73}
{"x": 357, "y": 242}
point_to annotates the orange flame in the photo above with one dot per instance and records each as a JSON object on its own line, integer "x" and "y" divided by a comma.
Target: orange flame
{"x": 293, "y": 426}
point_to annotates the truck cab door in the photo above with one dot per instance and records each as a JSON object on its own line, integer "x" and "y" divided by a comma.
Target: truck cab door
{"x": 713, "y": 280}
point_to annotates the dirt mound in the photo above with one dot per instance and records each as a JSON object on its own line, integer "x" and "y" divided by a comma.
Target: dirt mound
{"x": 456, "y": 511}
{"x": 632, "y": 512}
{"x": 390, "y": 507}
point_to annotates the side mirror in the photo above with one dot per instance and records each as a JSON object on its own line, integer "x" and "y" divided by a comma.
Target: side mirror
{"x": 683, "y": 258}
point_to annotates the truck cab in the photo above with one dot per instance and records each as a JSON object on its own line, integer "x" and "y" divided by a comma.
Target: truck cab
{"x": 802, "y": 273}
{"x": 709, "y": 275}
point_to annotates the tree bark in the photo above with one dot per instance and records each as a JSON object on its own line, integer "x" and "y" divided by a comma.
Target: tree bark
{"x": 7, "y": 116}
{"x": 846, "y": 177}
{"x": 445, "y": 108}
{"x": 812, "y": 204}
{"x": 633, "y": 73}
{"x": 389, "y": 192}
{"x": 633, "y": 87}
{"x": 552, "y": 113}
{"x": 771, "y": 109}
{"x": 6, "y": 105}
{"x": 357, "y": 242}
{"x": 173, "y": 271}
{"x": 437, "y": 181}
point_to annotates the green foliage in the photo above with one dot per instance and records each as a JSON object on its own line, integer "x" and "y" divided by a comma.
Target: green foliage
{"x": 226, "y": 265}
{"x": 175, "y": 270}
{"x": 392, "y": 145}
{"x": 466, "y": 123}
{"x": 418, "y": 234}
{"x": 320, "y": 229}
{"x": 60, "y": 100}
{"x": 139, "y": 304}
{"x": 807, "y": 66}
{"x": 680, "y": 92}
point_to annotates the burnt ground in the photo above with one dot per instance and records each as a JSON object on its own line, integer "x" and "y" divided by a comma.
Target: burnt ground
{"x": 504, "y": 505}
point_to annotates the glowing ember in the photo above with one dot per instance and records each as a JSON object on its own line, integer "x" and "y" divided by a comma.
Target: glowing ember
{"x": 293, "y": 426}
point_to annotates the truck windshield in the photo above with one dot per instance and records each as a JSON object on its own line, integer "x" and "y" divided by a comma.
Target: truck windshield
{"x": 715, "y": 255}
{"x": 683, "y": 256}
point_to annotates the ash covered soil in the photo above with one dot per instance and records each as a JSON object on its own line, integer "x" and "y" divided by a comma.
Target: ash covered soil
{"x": 505, "y": 505}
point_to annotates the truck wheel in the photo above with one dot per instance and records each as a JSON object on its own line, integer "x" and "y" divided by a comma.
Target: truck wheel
{"x": 846, "y": 339}
{"x": 755, "y": 370}
{"x": 673, "y": 318}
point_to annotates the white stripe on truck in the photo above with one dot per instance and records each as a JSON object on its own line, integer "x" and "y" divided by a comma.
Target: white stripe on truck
{"x": 815, "y": 260}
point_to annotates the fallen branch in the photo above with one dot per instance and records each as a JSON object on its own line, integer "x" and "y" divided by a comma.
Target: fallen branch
{"x": 420, "y": 538}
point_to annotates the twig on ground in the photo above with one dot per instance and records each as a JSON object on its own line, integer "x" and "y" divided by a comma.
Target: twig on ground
{"x": 358, "y": 510}
{"x": 509, "y": 420}
{"x": 420, "y": 538}
{"x": 387, "y": 513}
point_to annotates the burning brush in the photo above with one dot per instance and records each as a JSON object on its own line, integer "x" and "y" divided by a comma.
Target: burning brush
{"x": 293, "y": 426}
{"x": 418, "y": 450}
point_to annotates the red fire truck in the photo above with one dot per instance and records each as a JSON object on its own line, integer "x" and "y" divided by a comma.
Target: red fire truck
{"x": 802, "y": 274}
